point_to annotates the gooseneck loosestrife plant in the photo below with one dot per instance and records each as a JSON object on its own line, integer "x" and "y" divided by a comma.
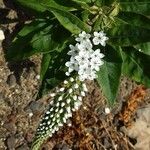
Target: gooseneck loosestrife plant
{"x": 82, "y": 40}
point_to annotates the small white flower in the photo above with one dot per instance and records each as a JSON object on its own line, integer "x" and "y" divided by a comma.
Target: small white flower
{"x": 72, "y": 79}
{"x": 79, "y": 98}
{"x": 48, "y": 122}
{"x": 72, "y": 65}
{"x": 100, "y": 38}
{"x": 53, "y": 131}
{"x": 62, "y": 104}
{"x": 51, "y": 103}
{"x": 84, "y": 87}
{"x": 82, "y": 58}
{"x": 51, "y": 109}
{"x": 140, "y": 50}
{"x": 85, "y": 46}
{"x": 82, "y": 93}
{"x": 107, "y": 110}
{"x": 60, "y": 98}
{"x": 62, "y": 89}
{"x": 83, "y": 36}
{"x": 65, "y": 82}
{"x": 46, "y": 118}
{"x": 70, "y": 91}
{"x": 61, "y": 111}
{"x": 68, "y": 100}
{"x": 69, "y": 124}
{"x": 68, "y": 109}
{"x": 53, "y": 94}
{"x": 76, "y": 86}
{"x": 38, "y": 77}
{"x": 48, "y": 112}
{"x": 75, "y": 97}
{"x": 2, "y": 36}
{"x": 30, "y": 114}
{"x": 69, "y": 115}
{"x": 56, "y": 110}
{"x": 57, "y": 116}
{"x": 57, "y": 105}
{"x": 67, "y": 74}
{"x": 60, "y": 124}
{"x": 52, "y": 115}
{"x": 73, "y": 50}
{"x": 64, "y": 120}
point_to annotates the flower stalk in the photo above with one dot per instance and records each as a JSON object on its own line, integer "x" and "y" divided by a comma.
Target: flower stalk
{"x": 66, "y": 100}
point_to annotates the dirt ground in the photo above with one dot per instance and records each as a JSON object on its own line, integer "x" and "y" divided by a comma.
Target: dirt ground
{"x": 89, "y": 129}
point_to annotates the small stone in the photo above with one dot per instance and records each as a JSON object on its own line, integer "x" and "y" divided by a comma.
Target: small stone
{"x": 23, "y": 147}
{"x": 61, "y": 147}
{"x": 11, "y": 80}
{"x": 107, "y": 110}
{"x": 38, "y": 77}
{"x": 11, "y": 141}
{"x": 11, "y": 127}
{"x": 36, "y": 106}
{"x": 2, "y": 36}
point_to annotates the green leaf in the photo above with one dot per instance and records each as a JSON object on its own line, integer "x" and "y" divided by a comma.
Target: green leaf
{"x": 65, "y": 5}
{"x": 143, "y": 47}
{"x": 20, "y": 48}
{"x": 69, "y": 21}
{"x": 135, "y": 19}
{"x": 109, "y": 74}
{"x": 55, "y": 72}
{"x": 81, "y": 1}
{"x": 37, "y": 37}
{"x": 126, "y": 35}
{"x": 31, "y": 4}
{"x": 44, "y": 65}
{"x": 50, "y": 39}
{"x": 141, "y": 7}
{"x": 136, "y": 65}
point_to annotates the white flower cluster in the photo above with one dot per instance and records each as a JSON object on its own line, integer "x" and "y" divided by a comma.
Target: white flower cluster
{"x": 84, "y": 59}
{"x": 67, "y": 99}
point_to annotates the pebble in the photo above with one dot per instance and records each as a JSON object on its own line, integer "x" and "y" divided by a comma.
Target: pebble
{"x": 11, "y": 80}
{"x": 11, "y": 143}
{"x": 11, "y": 127}
{"x": 23, "y": 147}
{"x": 36, "y": 106}
{"x": 61, "y": 147}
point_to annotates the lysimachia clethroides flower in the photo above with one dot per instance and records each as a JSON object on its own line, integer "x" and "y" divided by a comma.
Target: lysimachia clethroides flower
{"x": 86, "y": 61}
{"x": 84, "y": 58}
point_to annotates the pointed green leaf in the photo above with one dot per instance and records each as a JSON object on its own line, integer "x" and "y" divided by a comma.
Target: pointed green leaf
{"x": 135, "y": 19}
{"x": 55, "y": 72}
{"x": 143, "y": 47}
{"x": 37, "y": 37}
{"x": 65, "y": 5}
{"x": 136, "y": 65}
{"x": 31, "y": 4}
{"x": 126, "y": 35}
{"x": 44, "y": 65}
{"x": 69, "y": 21}
{"x": 109, "y": 74}
{"x": 141, "y": 7}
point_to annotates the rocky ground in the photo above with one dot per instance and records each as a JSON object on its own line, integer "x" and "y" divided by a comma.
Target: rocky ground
{"x": 89, "y": 129}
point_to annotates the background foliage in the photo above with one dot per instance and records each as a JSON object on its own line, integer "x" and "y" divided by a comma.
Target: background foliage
{"x": 55, "y": 22}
